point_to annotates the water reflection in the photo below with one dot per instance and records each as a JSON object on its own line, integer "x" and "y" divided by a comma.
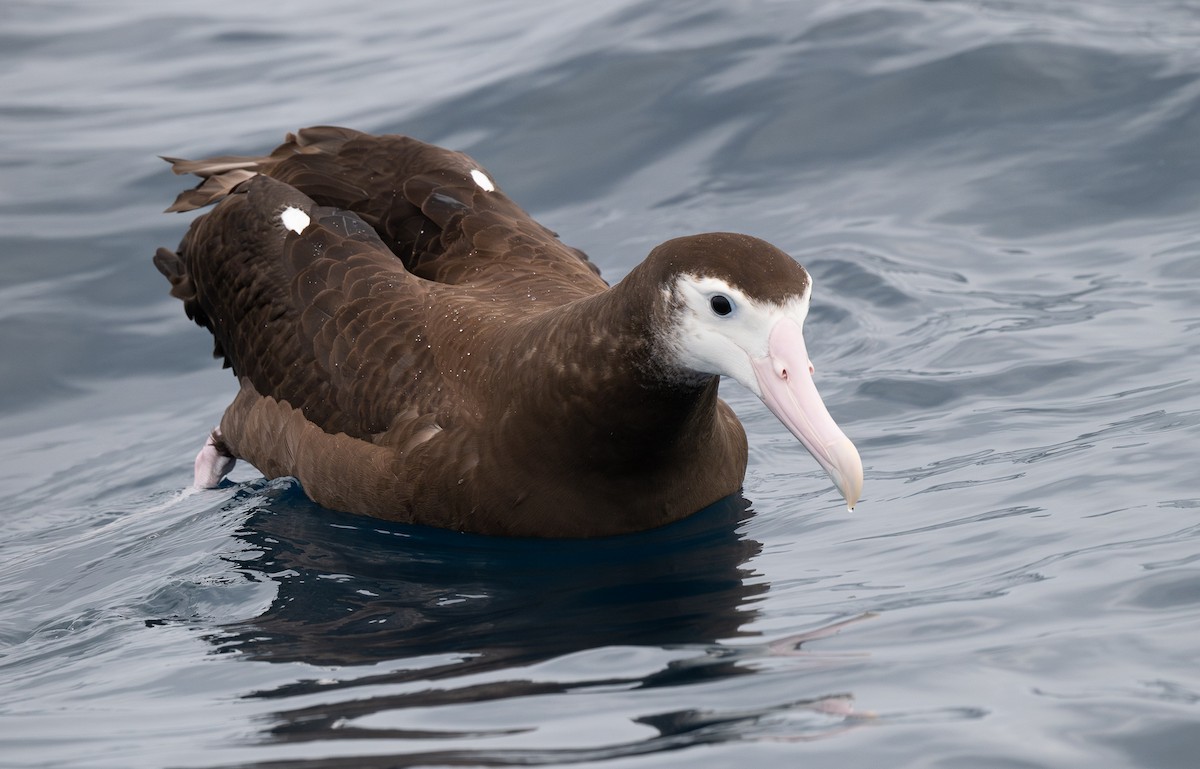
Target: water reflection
{"x": 353, "y": 590}
{"x": 433, "y": 619}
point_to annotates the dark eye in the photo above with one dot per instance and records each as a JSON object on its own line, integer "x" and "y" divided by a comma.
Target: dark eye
{"x": 720, "y": 304}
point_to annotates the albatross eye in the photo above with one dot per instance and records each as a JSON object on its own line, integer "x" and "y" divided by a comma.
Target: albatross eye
{"x": 720, "y": 304}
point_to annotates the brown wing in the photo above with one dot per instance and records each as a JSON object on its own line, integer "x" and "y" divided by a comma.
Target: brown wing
{"x": 323, "y": 320}
{"x": 336, "y": 321}
{"x": 424, "y": 202}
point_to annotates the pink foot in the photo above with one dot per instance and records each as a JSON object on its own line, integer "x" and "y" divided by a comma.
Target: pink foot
{"x": 212, "y": 463}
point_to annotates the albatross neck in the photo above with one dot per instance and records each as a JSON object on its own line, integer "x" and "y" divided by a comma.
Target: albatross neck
{"x": 598, "y": 384}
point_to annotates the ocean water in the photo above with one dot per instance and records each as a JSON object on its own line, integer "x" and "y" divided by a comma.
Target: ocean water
{"x": 1000, "y": 203}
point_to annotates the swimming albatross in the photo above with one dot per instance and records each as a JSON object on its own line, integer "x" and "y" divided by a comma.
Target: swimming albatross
{"x": 411, "y": 345}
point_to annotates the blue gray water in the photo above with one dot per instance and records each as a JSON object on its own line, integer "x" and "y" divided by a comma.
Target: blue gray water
{"x": 1000, "y": 203}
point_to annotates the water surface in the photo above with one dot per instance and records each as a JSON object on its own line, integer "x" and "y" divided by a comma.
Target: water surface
{"x": 1000, "y": 205}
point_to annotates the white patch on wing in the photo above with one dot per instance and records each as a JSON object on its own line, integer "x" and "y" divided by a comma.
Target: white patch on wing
{"x": 482, "y": 180}
{"x": 294, "y": 219}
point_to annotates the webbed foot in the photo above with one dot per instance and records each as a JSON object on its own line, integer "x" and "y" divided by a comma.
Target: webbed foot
{"x": 213, "y": 462}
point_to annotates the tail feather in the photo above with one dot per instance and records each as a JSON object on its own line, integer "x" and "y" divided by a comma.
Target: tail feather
{"x": 211, "y": 166}
{"x": 222, "y": 174}
{"x": 212, "y": 189}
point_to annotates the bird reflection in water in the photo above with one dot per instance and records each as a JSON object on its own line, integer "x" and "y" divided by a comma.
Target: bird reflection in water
{"x": 437, "y": 618}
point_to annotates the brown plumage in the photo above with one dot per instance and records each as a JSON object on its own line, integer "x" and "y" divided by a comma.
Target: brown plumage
{"x": 422, "y": 350}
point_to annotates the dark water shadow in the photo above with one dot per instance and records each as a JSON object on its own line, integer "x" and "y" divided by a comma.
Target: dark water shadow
{"x": 431, "y": 618}
{"x": 354, "y": 591}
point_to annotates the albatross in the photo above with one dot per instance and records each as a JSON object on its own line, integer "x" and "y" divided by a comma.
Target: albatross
{"x": 411, "y": 345}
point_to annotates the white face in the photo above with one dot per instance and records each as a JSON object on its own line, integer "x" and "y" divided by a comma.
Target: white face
{"x": 719, "y": 330}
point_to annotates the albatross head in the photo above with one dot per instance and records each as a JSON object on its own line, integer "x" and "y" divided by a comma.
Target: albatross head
{"x": 737, "y": 309}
